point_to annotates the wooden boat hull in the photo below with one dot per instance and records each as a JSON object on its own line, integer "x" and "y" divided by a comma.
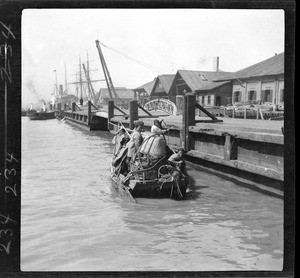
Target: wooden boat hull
{"x": 42, "y": 116}
{"x": 157, "y": 189}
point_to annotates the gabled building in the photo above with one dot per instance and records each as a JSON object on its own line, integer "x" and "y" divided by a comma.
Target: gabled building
{"x": 142, "y": 93}
{"x": 162, "y": 86}
{"x": 208, "y": 92}
{"x": 260, "y": 83}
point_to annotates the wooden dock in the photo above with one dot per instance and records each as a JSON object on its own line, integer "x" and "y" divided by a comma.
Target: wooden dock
{"x": 247, "y": 145}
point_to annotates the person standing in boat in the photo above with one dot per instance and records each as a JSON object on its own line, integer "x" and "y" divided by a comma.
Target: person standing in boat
{"x": 135, "y": 141}
{"x": 157, "y": 128}
{"x": 177, "y": 161}
{"x": 119, "y": 141}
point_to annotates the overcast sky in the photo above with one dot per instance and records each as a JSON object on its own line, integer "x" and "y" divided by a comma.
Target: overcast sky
{"x": 143, "y": 43}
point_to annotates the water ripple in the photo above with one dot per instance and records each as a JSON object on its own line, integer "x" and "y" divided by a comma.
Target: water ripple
{"x": 73, "y": 220}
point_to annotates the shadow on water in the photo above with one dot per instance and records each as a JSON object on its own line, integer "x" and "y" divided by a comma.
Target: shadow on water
{"x": 268, "y": 186}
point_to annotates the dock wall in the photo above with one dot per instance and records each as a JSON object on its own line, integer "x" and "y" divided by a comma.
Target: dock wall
{"x": 85, "y": 117}
{"x": 245, "y": 148}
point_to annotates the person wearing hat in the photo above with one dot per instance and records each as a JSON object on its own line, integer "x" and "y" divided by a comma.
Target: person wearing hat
{"x": 157, "y": 128}
{"x": 135, "y": 141}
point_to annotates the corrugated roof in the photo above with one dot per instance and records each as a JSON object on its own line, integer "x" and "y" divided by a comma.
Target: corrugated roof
{"x": 271, "y": 66}
{"x": 122, "y": 92}
{"x": 202, "y": 80}
{"x": 147, "y": 87}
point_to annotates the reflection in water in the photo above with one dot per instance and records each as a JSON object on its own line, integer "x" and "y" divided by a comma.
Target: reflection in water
{"x": 73, "y": 219}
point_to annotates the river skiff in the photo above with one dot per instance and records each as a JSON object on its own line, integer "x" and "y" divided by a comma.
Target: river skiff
{"x": 150, "y": 175}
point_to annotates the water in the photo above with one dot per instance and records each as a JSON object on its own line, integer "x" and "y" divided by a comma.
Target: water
{"x": 73, "y": 220}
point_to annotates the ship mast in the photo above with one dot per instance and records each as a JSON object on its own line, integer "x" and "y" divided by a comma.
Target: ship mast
{"x": 80, "y": 82}
{"x": 66, "y": 83}
{"x": 77, "y": 89}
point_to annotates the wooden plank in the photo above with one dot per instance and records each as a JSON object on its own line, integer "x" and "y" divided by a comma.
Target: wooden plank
{"x": 120, "y": 110}
{"x": 205, "y": 111}
{"x": 142, "y": 108}
{"x": 230, "y": 147}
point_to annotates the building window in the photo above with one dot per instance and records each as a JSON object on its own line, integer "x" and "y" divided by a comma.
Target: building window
{"x": 281, "y": 95}
{"x": 252, "y": 95}
{"x": 267, "y": 95}
{"x": 202, "y": 101}
{"x": 208, "y": 100}
{"x": 237, "y": 96}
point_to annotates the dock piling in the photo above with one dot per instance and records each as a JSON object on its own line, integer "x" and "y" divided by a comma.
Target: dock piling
{"x": 230, "y": 147}
{"x": 111, "y": 108}
{"x": 89, "y": 113}
{"x": 188, "y": 119}
{"x": 133, "y": 113}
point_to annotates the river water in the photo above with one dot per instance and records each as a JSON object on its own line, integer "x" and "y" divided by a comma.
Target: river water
{"x": 73, "y": 220}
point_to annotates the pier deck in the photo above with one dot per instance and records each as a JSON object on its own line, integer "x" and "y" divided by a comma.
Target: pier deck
{"x": 250, "y": 145}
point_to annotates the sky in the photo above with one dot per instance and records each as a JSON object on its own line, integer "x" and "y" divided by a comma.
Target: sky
{"x": 140, "y": 44}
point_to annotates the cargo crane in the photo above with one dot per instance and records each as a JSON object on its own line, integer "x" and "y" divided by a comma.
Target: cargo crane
{"x": 109, "y": 83}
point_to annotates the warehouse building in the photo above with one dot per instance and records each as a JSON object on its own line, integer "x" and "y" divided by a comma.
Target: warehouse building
{"x": 261, "y": 83}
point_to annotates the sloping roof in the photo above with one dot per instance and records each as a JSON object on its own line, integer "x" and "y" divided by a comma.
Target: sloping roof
{"x": 166, "y": 81}
{"x": 203, "y": 80}
{"x": 147, "y": 87}
{"x": 122, "y": 92}
{"x": 271, "y": 66}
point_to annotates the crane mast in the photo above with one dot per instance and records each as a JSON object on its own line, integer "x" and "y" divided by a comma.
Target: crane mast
{"x": 109, "y": 83}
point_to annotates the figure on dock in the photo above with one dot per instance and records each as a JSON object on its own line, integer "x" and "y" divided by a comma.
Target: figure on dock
{"x": 157, "y": 128}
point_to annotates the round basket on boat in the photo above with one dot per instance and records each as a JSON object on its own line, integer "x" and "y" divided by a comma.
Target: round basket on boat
{"x": 154, "y": 146}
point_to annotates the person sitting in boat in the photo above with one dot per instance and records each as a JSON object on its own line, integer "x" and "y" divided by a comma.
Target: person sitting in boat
{"x": 135, "y": 141}
{"x": 157, "y": 128}
{"x": 177, "y": 161}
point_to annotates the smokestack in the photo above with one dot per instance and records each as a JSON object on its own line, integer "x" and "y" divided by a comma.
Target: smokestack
{"x": 61, "y": 89}
{"x": 217, "y": 70}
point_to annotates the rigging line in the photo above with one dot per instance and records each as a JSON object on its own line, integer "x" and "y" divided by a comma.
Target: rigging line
{"x": 134, "y": 60}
